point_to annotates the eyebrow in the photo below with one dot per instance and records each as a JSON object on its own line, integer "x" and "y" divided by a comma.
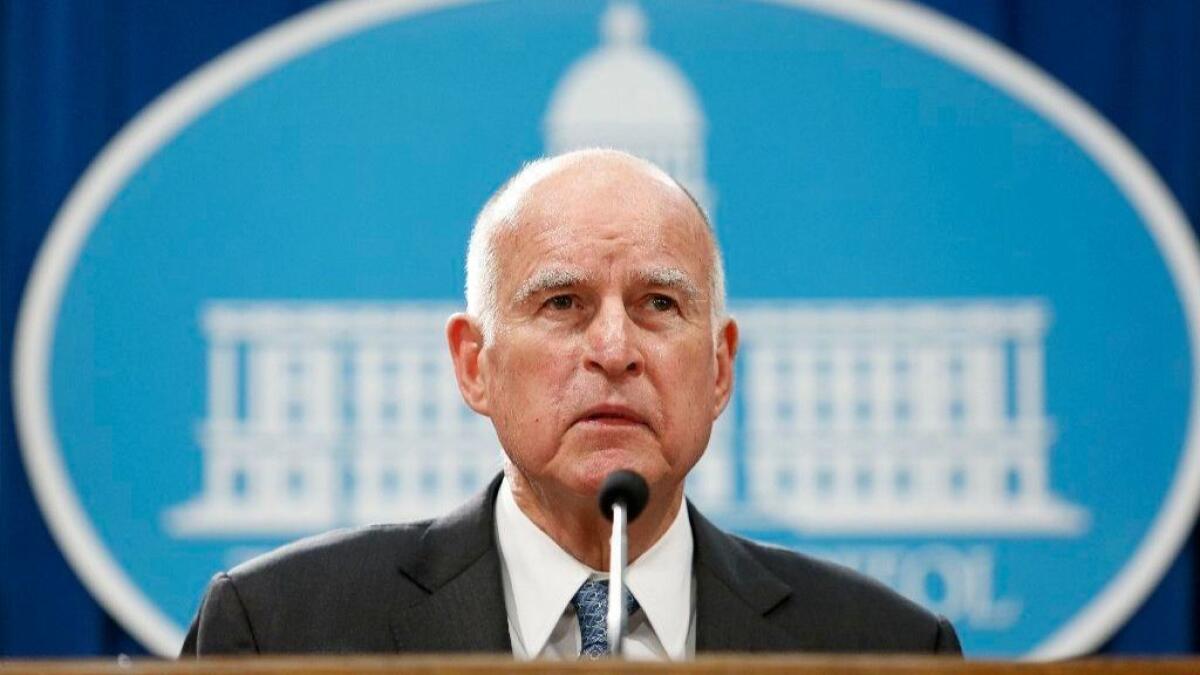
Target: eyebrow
{"x": 670, "y": 277}
{"x": 548, "y": 279}
{"x": 556, "y": 278}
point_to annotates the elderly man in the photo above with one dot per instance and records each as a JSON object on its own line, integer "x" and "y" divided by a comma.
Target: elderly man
{"x": 595, "y": 339}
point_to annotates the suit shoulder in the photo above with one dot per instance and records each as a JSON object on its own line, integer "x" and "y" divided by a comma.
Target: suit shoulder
{"x": 848, "y": 597}
{"x": 805, "y": 569}
{"x": 339, "y": 553}
{"x": 331, "y": 592}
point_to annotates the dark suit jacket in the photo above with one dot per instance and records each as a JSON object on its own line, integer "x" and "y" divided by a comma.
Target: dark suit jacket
{"x": 435, "y": 586}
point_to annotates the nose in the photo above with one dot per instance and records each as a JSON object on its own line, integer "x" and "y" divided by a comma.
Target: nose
{"x": 612, "y": 347}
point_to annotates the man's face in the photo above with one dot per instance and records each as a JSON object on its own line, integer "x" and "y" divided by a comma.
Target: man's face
{"x": 605, "y": 355}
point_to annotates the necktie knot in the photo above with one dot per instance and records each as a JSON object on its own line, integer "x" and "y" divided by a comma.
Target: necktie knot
{"x": 591, "y": 606}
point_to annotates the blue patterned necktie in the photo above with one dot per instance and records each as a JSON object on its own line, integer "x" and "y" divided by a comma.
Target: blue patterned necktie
{"x": 591, "y": 606}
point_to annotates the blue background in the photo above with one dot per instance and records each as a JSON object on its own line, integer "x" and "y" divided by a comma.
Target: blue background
{"x": 44, "y": 611}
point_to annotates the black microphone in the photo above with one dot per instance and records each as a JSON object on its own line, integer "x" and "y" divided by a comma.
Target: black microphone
{"x": 627, "y": 487}
{"x": 623, "y": 497}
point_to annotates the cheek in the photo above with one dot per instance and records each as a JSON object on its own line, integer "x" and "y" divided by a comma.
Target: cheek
{"x": 529, "y": 391}
{"x": 699, "y": 375}
{"x": 535, "y": 373}
{"x": 690, "y": 390}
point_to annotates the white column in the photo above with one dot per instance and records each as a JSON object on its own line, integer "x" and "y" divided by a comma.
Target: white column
{"x": 449, "y": 399}
{"x": 924, "y": 482}
{"x": 883, "y": 387}
{"x": 222, "y": 382}
{"x": 346, "y": 374}
{"x": 985, "y": 481}
{"x": 803, "y": 388}
{"x": 935, "y": 476}
{"x": 1031, "y": 377}
{"x": 321, "y": 388}
{"x": 441, "y": 391}
{"x": 883, "y": 488}
{"x": 783, "y": 391}
{"x": 901, "y": 390}
{"x": 984, "y": 382}
{"x": 257, "y": 479}
{"x": 1034, "y": 486}
{"x": 761, "y": 389}
{"x": 219, "y": 467}
{"x": 929, "y": 385}
{"x": 407, "y": 390}
{"x": 823, "y": 389}
{"x": 717, "y": 476}
{"x": 368, "y": 395}
{"x": 842, "y": 379}
{"x": 368, "y": 475}
{"x": 267, "y": 365}
{"x": 844, "y": 489}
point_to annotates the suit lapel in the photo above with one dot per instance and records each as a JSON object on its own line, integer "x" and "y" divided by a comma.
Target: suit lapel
{"x": 456, "y": 566}
{"x": 734, "y": 595}
{"x": 460, "y": 603}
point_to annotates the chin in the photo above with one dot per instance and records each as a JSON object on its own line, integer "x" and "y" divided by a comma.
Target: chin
{"x": 590, "y": 471}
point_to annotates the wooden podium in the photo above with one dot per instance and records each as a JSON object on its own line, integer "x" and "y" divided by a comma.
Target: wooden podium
{"x": 724, "y": 665}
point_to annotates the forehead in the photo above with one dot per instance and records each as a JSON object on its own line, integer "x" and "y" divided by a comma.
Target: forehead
{"x": 604, "y": 209}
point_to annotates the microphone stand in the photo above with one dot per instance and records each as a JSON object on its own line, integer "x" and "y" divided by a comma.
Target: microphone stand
{"x": 617, "y": 557}
{"x": 622, "y": 497}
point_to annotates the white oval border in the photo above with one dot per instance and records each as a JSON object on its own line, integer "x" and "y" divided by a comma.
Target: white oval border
{"x": 191, "y": 97}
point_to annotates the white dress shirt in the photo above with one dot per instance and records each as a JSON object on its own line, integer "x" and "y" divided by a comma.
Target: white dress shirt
{"x": 540, "y": 578}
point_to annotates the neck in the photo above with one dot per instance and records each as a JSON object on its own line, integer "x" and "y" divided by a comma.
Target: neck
{"x": 576, "y": 525}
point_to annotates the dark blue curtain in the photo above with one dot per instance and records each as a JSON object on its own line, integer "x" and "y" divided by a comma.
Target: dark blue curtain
{"x": 72, "y": 72}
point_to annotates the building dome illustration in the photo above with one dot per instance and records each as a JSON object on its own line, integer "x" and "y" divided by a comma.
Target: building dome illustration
{"x": 628, "y": 96}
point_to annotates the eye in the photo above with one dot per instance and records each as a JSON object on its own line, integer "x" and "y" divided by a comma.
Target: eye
{"x": 662, "y": 303}
{"x": 561, "y": 302}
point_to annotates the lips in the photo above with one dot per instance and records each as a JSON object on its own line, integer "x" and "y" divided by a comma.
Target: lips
{"x": 609, "y": 415}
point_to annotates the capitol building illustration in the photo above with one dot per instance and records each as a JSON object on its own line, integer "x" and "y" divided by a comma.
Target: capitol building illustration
{"x": 904, "y": 416}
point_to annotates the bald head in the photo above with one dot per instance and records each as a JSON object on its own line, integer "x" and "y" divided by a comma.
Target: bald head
{"x": 545, "y": 189}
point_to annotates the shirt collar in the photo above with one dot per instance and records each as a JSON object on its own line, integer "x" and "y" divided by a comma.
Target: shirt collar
{"x": 661, "y": 580}
{"x": 543, "y": 578}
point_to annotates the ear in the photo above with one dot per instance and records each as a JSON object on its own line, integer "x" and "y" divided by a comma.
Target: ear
{"x": 466, "y": 350}
{"x": 727, "y": 344}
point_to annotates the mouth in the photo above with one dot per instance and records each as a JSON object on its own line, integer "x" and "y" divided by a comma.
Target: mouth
{"x": 615, "y": 416}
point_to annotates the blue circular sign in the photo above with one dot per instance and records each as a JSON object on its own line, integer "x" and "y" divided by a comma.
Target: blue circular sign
{"x": 968, "y": 307}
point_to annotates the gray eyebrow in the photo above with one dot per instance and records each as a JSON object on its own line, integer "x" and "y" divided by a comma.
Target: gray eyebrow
{"x": 564, "y": 277}
{"x": 671, "y": 277}
{"x": 547, "y": 279}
